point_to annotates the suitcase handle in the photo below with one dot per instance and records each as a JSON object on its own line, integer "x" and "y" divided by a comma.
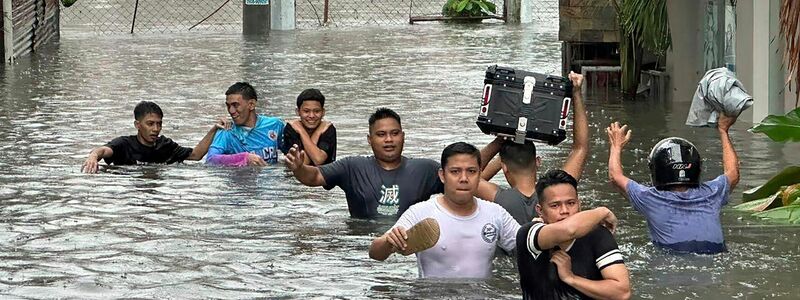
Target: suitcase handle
{"x": 557, "y": 78}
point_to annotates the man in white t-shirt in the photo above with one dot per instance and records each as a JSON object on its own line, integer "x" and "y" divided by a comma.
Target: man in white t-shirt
{"x": 470, "y": 228}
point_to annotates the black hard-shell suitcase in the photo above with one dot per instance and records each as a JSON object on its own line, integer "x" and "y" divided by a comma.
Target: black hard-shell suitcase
{"x": 525, "y": 105}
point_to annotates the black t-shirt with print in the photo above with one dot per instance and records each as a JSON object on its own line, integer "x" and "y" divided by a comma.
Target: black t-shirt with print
{"x": 128, "y": 151}
{"x": 539, "y": 277}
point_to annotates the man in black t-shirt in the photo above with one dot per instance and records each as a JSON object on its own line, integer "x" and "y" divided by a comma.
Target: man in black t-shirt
{"x": 566, "y": 254}
{"x": 387, "y": 179}
{"x": 310, "y": 133}
{"x": 148, "y": 146}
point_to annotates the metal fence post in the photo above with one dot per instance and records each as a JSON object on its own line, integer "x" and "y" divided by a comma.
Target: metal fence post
{"x": 325, "y": 13}
{"x": 8, "y": 32}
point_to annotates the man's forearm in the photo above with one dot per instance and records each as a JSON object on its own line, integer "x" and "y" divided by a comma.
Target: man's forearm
{"x": 313, "y": 152}
{"x": 582, "y": 223}
{"x": 380, "y": 249}
{"x": 308, "y": 175}
{"x": 600, "y": 289}
{"x": 730, "y": 161}
{"x": 202, "y": 147}
{"x": 580, "y": 138}
{"x": 615, "y": 172}
{"x": 489, "y": 151}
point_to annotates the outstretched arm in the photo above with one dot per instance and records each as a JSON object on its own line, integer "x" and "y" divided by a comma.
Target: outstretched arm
{"x": 490, "y": 150}
{"x": 614, "y": 285}
{"x": 730, "y": 162}
{"x": 307, "y": 175}
{"x": 491, "y": 169}
{"x": 201, "y": 148}
{"x": 91, "y": 163}
{"x": 575, "y": 226}
{"x": 617, "y": 138}
{"x": 580, "y": 131}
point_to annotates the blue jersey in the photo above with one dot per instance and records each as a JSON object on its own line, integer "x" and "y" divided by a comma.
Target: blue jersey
{"x": 264, "y": 140}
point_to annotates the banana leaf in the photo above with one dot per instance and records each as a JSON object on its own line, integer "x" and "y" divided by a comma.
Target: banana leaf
{"x": 781, "y": 128}
{"x": 790, "y": 194}
{"x": 789, "y": 213}
{"x": 789, "y": 176}
{"x": 761, "y": 204}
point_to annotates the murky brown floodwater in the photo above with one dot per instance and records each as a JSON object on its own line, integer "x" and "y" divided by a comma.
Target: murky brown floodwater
{"x": 191, "y": 231}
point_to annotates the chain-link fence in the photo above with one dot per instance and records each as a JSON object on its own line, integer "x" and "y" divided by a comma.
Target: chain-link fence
{"x": 315, "y": 13}
{"x": 147, "y": 16}
{"x": 117, "y": 16}
{"x": 544, "y": 10}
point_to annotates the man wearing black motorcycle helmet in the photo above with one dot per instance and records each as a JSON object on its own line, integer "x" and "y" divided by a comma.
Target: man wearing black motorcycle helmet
{"x": 683, "y": 213}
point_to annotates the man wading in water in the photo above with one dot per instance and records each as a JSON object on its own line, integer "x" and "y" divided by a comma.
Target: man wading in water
{"x": 387, "y": 178}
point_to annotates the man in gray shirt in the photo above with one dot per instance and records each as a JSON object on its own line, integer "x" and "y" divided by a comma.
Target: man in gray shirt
{"x": 520, "y": 163}
{"x": 385, "y": 179}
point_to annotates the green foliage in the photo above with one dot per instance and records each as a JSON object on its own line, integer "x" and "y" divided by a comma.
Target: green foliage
{"x": 781, "y": 128}
{"x": 468, "y": 8}
{"x": 777, "y": 199}
{"x": 68, "y": 3}
{"x": 790, "y": 175}
{"x": 643, "y": 25}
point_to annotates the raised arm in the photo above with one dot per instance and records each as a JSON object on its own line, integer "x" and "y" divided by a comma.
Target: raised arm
{"x": 730, "y": 162}
{"x": 91, "y": 163}
{"x": 617, "y": 138}
{"x": 491, "y": 169}
{"x": 307, "y": 175}
{"x": 489, "y": 151}
{"x": 575, "y": 226}
{"x": 201, "y": 148}
{"x": 580, "y": 131}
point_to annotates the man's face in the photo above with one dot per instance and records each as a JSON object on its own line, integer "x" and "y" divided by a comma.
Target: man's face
{"x": 311, "y": 113}
{"x": 558, "y": 202}
{"x": 460, "y": 176}
{"x": 239, "y": 108}
{"x": 149, "y": 128}
{"x": 386, "y": 138}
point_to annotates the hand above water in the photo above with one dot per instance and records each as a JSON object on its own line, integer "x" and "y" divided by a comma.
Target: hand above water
{"x": 725, "y": 122}
{"x": 397, "y": 237}
{"x": 295, "y": 158}
{"x": 223, "y": 123}
{"x": 618, "y": 135}
{"x": 577, "y": 81}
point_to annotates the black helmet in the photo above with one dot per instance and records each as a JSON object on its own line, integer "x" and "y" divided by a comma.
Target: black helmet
{"x": 674, "y": 161}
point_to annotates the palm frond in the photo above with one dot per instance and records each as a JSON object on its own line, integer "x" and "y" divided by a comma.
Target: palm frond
{"x": 790, "y": 28}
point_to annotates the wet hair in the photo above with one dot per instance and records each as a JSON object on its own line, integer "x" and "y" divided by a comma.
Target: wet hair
{"x": 518, "y": 156}
{"x": 383, "y": 113}
{"x": 311, "y": 95}
{"x": 553, "y": 177}
{"x": 146, "y": 107}
{"x": 460, "y": 148}
{"x": 244, "y": 89}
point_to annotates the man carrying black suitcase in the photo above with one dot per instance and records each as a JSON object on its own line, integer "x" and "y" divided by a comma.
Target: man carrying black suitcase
{"x": 520, "y": 163}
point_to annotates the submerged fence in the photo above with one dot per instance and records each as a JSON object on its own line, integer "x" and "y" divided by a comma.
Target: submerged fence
{"x": 172, "y": 16}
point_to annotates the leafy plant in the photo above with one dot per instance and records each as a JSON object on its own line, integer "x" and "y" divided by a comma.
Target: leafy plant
{"x": 468, "y": 8}
{"x": 790, "y": 28}
{"x": 777, "y": 198}
{"x": 643, "y": 25}
{"x": 781, "y": 128}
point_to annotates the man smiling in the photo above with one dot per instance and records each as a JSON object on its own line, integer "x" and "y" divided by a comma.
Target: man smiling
{"x": 253, "y": 140}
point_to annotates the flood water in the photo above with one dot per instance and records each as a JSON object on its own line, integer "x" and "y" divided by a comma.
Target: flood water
{"x": 192, "y": 231}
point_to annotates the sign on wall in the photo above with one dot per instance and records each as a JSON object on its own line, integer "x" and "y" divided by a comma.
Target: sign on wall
{"x": 256, "y": 2}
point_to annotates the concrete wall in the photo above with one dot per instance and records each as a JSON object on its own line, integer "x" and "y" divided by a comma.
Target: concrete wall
{"x": 759, "y": 63}
{"x": 685, "y": 59}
